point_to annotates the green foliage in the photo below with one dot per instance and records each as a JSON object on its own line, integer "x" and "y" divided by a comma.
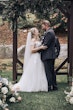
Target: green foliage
{"x": 43, "y": 9}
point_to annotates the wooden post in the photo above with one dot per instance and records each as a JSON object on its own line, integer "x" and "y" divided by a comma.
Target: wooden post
{"x": 68, "y": 26}
{"x": 71, "y": 46}
{"x": 15, "y": 49}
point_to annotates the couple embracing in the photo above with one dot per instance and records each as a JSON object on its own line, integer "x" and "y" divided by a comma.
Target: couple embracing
{"x": 38, "y": 70}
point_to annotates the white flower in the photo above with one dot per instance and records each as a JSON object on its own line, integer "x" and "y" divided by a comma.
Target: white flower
{"x": 12, "y": 99}
{"x": 10, "y": 85}
{"x": 8, "y": 88}
{"x": 6, "y": 109}
{"x": 71, "y": 93}
{"x": 4, "y": 96}
{"x": 19, "y": 98}
{"x": 66, "y": 92}
{"x": 0, "y": 102}
{"x": 5, "y": 106}
{"x": 4, "y": 90}
{"x": 67, "y": 98}
{"x": 5, "y": 81}
{"x": 16, "y": 94}
{"x": 71, "y": 100}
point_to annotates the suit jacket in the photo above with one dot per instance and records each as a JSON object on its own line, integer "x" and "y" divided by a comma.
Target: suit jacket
{"x": 49, "y": 41}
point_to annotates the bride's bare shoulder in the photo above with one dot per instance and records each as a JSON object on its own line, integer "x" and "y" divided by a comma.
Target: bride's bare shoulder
{"x": 32, "y": 41}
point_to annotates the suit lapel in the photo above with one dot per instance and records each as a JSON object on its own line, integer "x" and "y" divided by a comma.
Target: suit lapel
{"x": 45, "y": 34}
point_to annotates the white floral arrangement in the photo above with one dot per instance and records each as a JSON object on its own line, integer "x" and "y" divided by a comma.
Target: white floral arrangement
{"x": 7, "y": 95}
{"x": 69, "y": 97}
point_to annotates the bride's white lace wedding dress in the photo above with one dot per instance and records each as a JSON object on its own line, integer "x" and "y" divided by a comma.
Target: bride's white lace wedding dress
{"x": 34, "y": 77}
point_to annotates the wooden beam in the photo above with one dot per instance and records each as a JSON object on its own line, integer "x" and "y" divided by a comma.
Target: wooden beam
{"x": 61, "y": 73}
{"x": 60, "y": 66}
{"x": 71, "y": 42}
{"x": 15, "y": 49}
{"x": 70, "y": 63}
{"x": 18, "y": 61}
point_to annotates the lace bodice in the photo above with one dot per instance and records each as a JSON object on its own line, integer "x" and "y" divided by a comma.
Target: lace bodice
{"x": 36, "y": 43}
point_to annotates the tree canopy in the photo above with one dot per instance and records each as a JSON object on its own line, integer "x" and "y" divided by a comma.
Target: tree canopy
{"x": 43, "y": 9}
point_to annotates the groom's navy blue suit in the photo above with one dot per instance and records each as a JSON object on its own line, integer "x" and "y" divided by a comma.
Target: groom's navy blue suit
{"x": 48, "y": 57}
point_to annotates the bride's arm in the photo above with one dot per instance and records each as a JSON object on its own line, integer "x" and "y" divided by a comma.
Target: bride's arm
{"x": 36, "y": 49}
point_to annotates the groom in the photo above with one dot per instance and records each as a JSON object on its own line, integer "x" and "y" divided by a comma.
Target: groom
{"x": 48, "y": 55}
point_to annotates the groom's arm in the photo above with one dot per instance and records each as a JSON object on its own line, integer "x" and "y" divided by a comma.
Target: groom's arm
{"x": 37, "y": 49}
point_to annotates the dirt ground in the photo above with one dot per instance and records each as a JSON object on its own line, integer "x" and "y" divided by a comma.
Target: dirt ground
{"x": 6, "y": 36}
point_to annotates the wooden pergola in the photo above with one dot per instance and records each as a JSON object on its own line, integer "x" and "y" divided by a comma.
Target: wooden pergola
{"x": 69, "y": 14}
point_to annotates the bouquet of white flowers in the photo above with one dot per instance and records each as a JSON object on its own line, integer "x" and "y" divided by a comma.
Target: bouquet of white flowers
{"x": 7, "y": 95}
{"x": 69, "y": 97}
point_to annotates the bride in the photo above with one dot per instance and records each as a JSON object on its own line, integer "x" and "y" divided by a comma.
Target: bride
{"x": 33, "y": 78}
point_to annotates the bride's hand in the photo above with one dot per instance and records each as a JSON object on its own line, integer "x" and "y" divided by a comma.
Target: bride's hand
{"x": 43, "y": 47}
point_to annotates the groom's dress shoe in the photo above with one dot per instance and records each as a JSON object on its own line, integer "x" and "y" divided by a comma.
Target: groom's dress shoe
{"x": 49, "y": 88}
{"x": 55, "y": 88}
{"x": 52, "y": 88}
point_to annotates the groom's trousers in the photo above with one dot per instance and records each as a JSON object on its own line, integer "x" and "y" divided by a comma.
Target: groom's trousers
{"x": 50, "y": 74}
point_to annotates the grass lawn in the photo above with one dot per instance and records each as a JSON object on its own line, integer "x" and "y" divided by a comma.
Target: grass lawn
{"x": 43, "y": 100}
